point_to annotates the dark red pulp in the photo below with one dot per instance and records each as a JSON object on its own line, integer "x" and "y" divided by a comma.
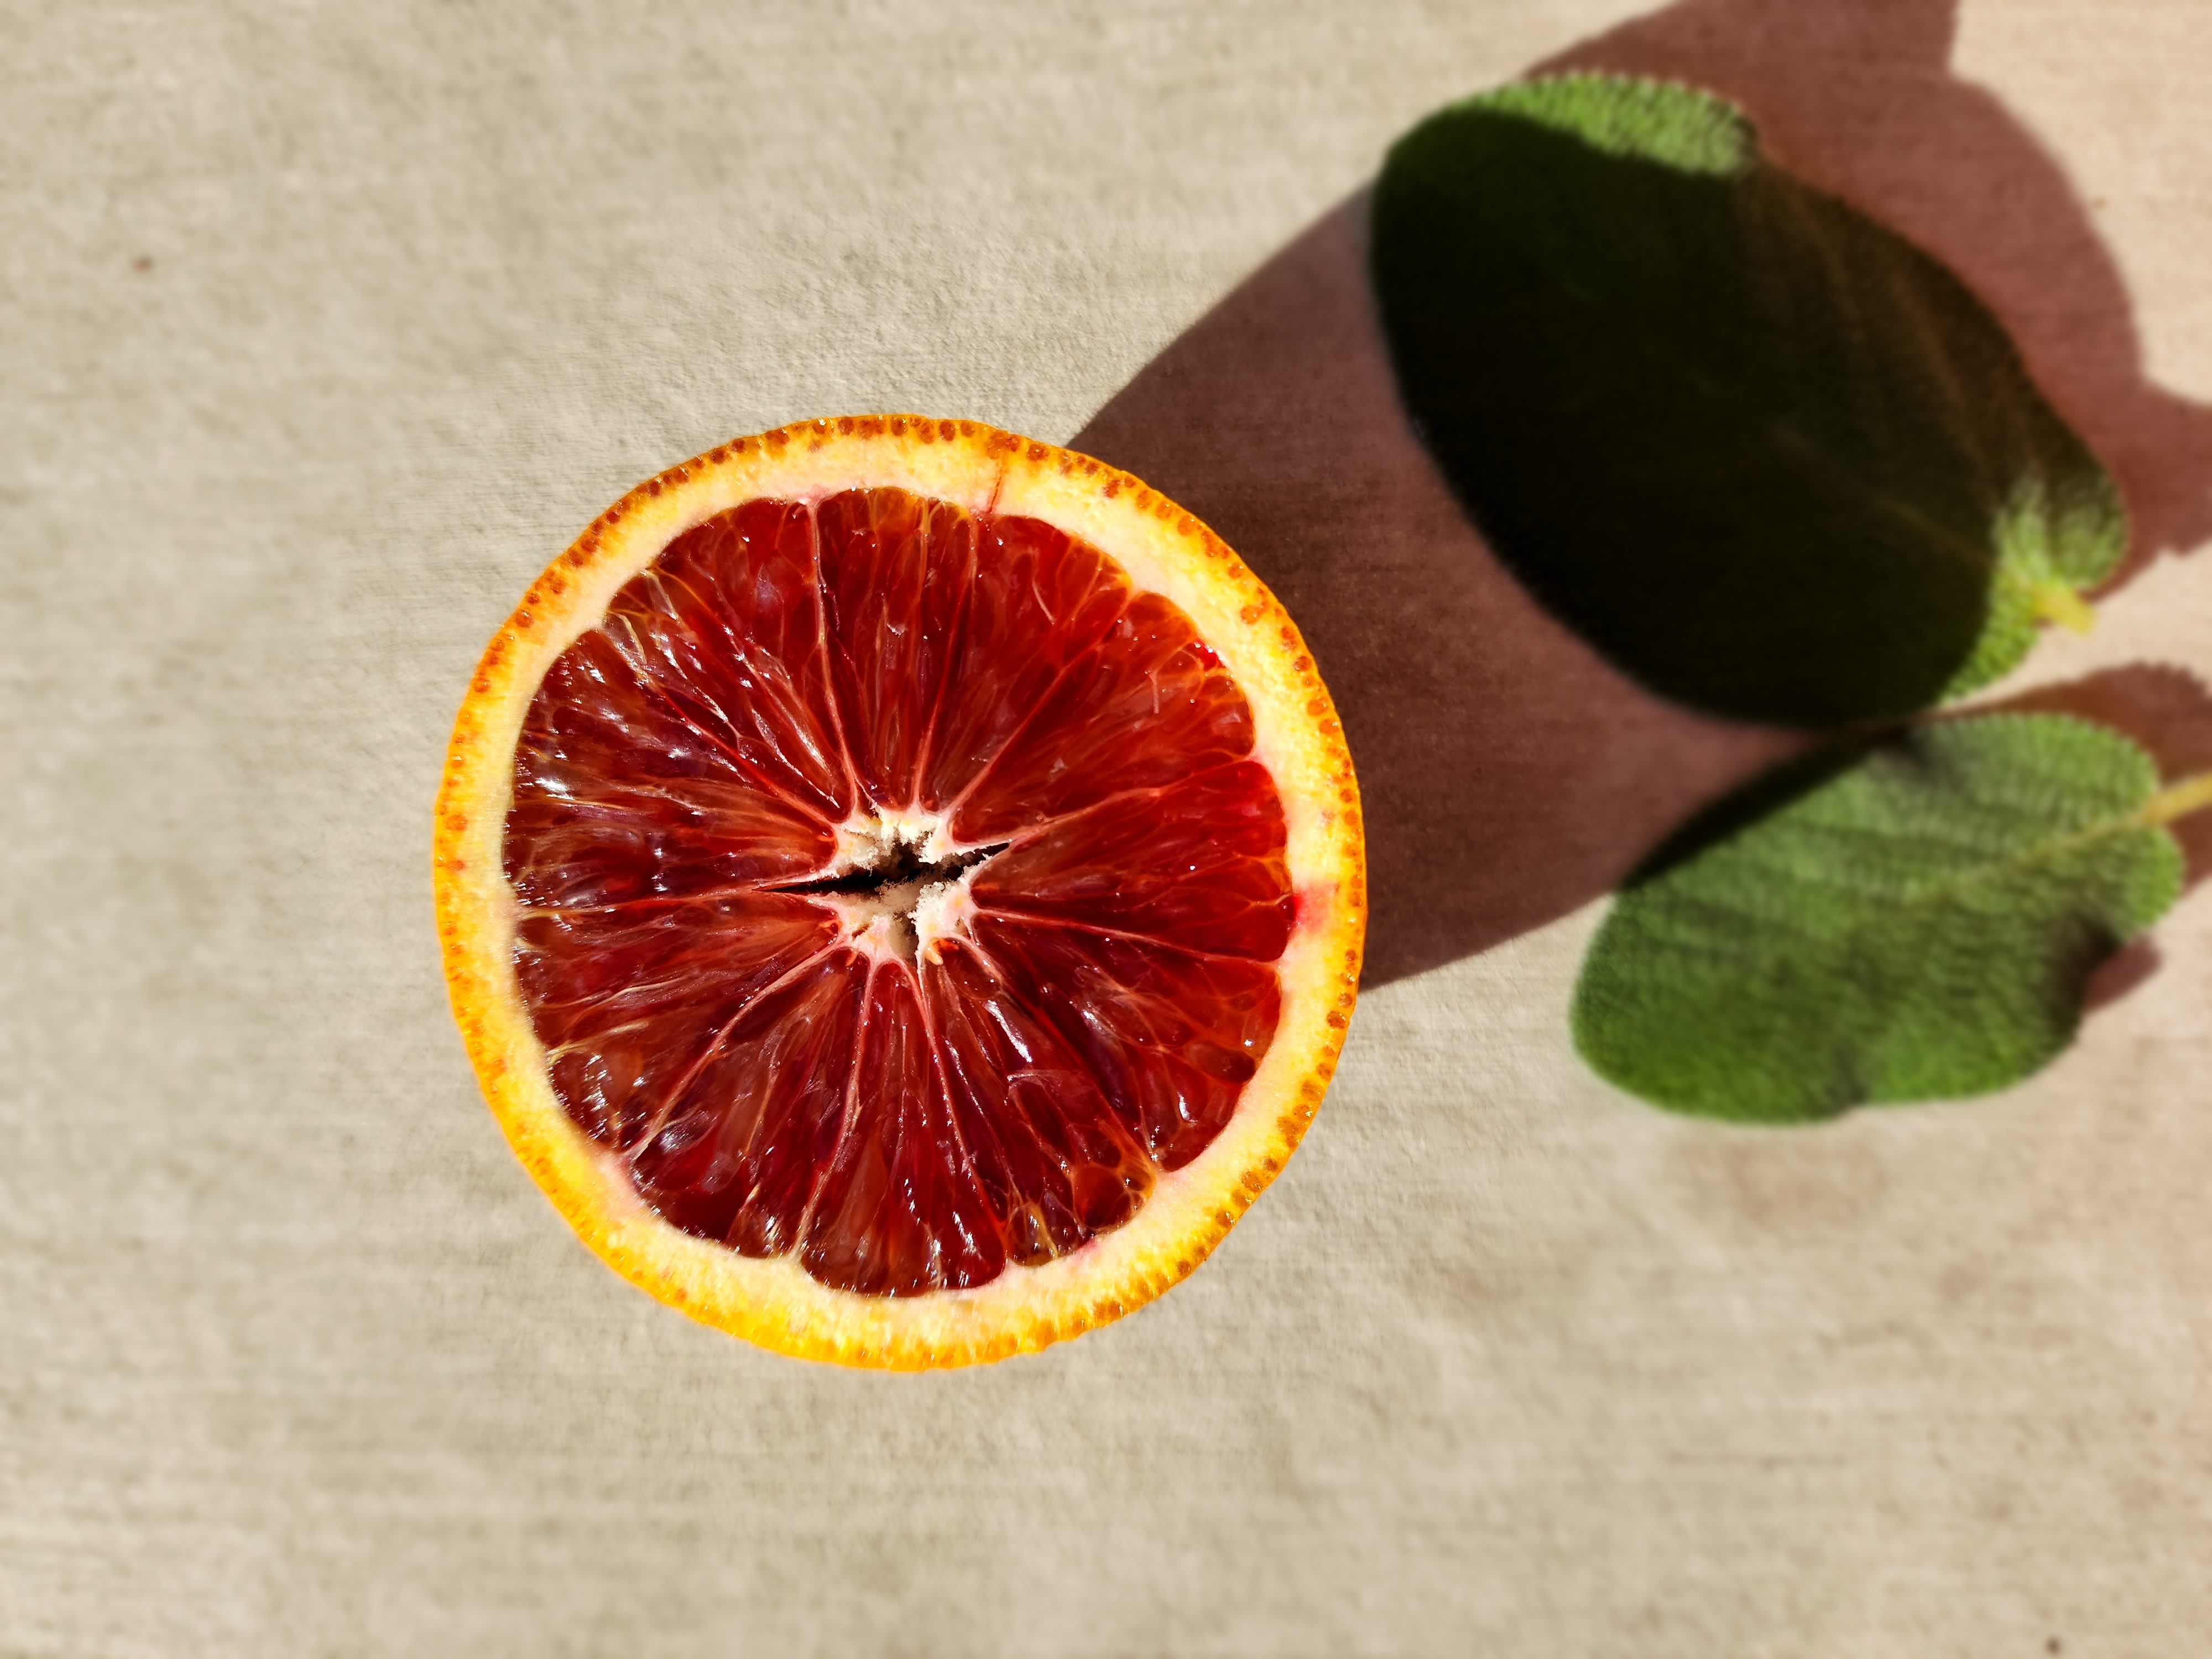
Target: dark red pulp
{"x": 782, "y": 669}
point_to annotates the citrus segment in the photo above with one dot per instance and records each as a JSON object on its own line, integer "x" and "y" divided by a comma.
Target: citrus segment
{"x": 919, "y": 926}
{"x": 1172, "y": 1038}
{"x": 1053, "y": 1163}
{"x": 618, "y": 797}
{"x": 895, "y": 570}
{"x": 900, "y": 1212}
{"x": 727, "y": 630}
{"x": 1053, "y": 598}
{"x": 628, "y": 999}
{"x": 734, "y": 1156}
{"x": 1147, "y": 705}
{"x": 1198, "y": 864}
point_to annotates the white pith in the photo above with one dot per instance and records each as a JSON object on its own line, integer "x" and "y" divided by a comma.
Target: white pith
{"x": 901, "y": 920}
{"x": 872, "y": 840}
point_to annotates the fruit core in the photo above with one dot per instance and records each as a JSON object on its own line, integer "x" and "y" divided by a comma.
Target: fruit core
{"x": 898, "y": 889}
{"x": 905, "y": 890}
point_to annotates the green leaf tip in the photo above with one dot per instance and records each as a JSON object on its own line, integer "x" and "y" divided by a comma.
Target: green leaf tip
{"x": 1769, "y": 458}
{"x": 1910, "y": 920}
{"x": 1654, "y": 120}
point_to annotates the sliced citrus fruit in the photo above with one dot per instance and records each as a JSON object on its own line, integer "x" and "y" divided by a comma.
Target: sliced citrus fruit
{"x": 902, "y": 887}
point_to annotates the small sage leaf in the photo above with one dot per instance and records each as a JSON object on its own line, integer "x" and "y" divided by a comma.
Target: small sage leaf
{"x": 1772, "y": 459}
{"x": 1911, "y": 919}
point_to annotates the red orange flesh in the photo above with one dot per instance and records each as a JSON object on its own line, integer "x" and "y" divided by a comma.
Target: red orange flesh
{"x": 902, "y": 887}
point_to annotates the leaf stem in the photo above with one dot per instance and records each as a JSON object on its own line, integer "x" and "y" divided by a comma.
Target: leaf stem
{"x": 2179, "y": 800}
{"x": 2055, "y": 602}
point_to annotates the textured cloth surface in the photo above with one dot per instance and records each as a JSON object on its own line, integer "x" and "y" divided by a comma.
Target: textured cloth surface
{"x": 323, "y": 327}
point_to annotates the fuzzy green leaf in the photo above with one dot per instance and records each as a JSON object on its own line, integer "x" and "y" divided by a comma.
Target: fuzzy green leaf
{"x": 1912, "y": 921}
{"x": 1772, "y": 459}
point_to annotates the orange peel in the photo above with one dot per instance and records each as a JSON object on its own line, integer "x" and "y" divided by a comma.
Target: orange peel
{"x": 772, "y": 1300}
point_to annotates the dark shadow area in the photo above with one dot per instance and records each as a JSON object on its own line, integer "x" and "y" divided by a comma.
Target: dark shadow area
{"x": 2126, "y": 969}
{"x": 1857, "y": 97}
{"x": 1509, "y": 774}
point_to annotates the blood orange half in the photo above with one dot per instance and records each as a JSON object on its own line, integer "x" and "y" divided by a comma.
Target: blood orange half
{"x": 902, "y": 888}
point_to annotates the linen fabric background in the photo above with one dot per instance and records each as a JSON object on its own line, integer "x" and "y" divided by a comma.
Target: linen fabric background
{"x": 325, "y": 326}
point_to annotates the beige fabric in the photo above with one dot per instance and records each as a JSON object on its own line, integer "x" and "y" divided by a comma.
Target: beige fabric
{"x": 325, "y": 325}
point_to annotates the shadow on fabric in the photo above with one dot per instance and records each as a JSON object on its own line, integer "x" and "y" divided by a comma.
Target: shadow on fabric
{"x": 1509, "y": 774}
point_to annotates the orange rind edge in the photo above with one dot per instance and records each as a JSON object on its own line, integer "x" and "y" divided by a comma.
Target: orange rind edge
{"x": 773, "y": 1303}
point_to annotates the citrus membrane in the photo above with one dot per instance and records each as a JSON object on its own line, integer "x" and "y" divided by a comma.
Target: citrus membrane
{"x": 902, "y": 887}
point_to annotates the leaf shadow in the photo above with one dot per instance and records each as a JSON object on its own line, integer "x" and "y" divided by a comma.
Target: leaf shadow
{"x": 2126, "y": 971}
{"x": 1509, "y": 774}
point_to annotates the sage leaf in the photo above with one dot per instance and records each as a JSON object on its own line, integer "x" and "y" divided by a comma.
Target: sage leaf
{"x": 1770, "y": 457}
{"x": 1914, "y": 918}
